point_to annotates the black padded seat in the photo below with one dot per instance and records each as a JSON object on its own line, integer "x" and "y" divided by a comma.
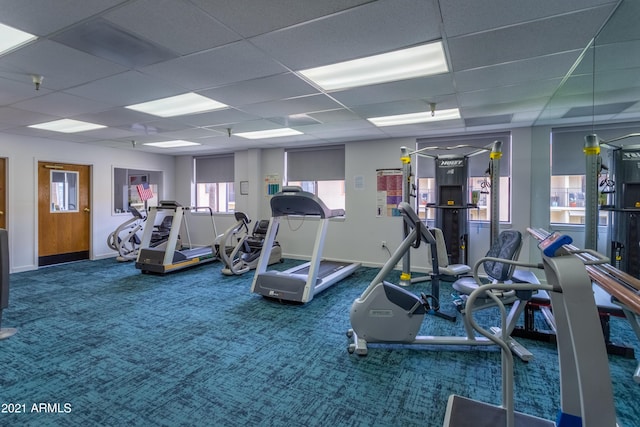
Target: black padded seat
{"x": 444, "y": 267}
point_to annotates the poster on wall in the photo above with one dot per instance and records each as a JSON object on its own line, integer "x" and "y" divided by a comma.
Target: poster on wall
{"x": 389, "y": 192}
{"x": 272, "y": 184}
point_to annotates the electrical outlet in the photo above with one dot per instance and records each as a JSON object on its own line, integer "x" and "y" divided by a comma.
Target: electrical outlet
{"x": 384, "y": 244}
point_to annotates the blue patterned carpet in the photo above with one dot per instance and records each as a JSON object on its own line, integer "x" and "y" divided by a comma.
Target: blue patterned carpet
{"x": 105, "y": 345}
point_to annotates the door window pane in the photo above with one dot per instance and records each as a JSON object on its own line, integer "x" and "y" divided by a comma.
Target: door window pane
{"x": 64, "y": 191}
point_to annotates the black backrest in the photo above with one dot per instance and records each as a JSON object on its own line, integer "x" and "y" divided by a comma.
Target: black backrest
{"x": 260, "y": 228}
{"x": 507, "y": 246}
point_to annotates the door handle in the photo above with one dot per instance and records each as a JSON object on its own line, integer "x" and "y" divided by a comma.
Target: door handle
{"x": 87, "y": 210}
{"x": 1, "y": 213}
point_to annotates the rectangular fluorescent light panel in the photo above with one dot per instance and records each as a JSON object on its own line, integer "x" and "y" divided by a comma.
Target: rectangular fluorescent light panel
{"x": 67, "y": 126}
{"x": 11, "y": 38}
{"x": 188, "y": 103}
{"x": 422, "y": 117}
{"x": 171, "y": 144}
{"x": 271, "y": 133}
{"x": 424, "y": 60}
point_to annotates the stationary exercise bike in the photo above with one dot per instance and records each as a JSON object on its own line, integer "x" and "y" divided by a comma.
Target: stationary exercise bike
{"x": 388, "y": 313}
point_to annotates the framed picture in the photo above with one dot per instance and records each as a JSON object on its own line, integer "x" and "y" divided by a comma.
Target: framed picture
{"x": 244, "y": 188}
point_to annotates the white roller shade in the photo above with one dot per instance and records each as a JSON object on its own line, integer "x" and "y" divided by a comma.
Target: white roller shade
{"x": 315, "y": 164}
{"x": 215, "y": 169}
{"x": 567, "y": 157}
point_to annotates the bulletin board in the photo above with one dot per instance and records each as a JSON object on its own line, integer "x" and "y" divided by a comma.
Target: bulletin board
{"x": 388, "y": 191}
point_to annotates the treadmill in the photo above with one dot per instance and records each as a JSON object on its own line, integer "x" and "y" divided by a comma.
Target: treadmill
{"x": 171, "y": 257}
{"x": 301, "y": 283}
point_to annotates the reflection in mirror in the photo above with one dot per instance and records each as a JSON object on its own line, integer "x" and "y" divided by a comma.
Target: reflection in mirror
{"x": 596, "y": 105}
{"x": 603, "y": 86}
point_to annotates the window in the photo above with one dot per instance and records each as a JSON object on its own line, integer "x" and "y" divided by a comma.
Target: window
{"x": 64, "y": 191}
{"x": 568, "y": 179}
{"x": 478, "y": 182}
{"x": 215, "y": 183}
{"x": 319, "y": 171}
{"x": 125, "y": 188}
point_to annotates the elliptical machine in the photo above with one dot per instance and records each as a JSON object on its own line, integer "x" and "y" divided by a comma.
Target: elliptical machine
{"x": 126, "y": 238}
{"x": 244, "y": 256}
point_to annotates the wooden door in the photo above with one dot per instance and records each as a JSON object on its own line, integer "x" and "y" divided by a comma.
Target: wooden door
{"x": 3, "y": 193}
{"x": 64, "y": 217}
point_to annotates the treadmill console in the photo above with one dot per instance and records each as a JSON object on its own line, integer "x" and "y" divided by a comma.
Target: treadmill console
{"x": 295, "y": 201}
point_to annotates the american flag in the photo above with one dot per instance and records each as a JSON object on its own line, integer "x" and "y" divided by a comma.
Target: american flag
{"x": 144, "y": 191}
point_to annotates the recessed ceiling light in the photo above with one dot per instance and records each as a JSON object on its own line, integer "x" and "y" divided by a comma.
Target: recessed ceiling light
{"x": 67, "y": 126}
{"x": 271, "y": 133}
{"x": 171, "y": 144}
{"x": 11, "y": 38}
{"x": 424, "y": 60}
{"x": 422, "y": 117}
{"x": 178, "y": 105}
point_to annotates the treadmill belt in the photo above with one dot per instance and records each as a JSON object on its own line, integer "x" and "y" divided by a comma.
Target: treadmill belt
{"x": 325, "y": 269}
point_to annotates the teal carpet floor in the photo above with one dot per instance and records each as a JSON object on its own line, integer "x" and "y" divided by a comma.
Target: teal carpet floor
{"x": 100, "y": 344}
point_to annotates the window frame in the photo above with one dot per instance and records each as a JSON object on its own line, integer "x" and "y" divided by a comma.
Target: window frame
{"x": 215, "y": 173}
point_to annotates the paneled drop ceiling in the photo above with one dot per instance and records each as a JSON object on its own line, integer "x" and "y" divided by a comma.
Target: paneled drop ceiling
{"x": 512, "y": 63}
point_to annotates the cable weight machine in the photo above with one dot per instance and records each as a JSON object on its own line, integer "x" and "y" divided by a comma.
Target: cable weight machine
{"x": 620, "y": 196}
{"x": 452, "y": 196}
{"x": 452, "y": 189}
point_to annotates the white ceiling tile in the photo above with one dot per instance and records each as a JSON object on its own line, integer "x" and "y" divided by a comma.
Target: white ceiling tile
{"x": 271, "y": 88}
{"x": 43, "y": 17}
{"x": 228, "y": 64}
{"x": 397, "y": 107}
{"x": 271, "y": 15}
{"x": 331, "y": 116}
{"x": 61, "y": 105}
{"x": 538, "y": 38}
{"x": 611, "y": 57}
{"x": 303, "y": 104}
{"x": 134, "y": 87}
{"x": 515, "y": 93}
{"x": 532, "y": 69}
{"x": 12, "y": 91}
{"x": 191, "y": 134}
{"x": 249, "y": 126}
{"x": 465, "y": 16}
{"x": 17, "y": 117}
{"x": 216, "y": 118}
{"x": 115, "y": 117}
{"x": 354, "y": 33}
{"x": 349, "y": 134}
{"x": 61, "y": 66}
{"x": 508, "y": 58}
{"x": 431, "y": 87}
{"x": 176, "y": 25}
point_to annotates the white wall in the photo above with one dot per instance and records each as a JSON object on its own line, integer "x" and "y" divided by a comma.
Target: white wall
{"x": 355, "y": 238}
{"x": 23, "y": 154}
{"x": 358, "y": 237}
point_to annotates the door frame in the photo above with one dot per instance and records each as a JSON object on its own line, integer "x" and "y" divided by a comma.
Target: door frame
{"x": 54, "y": 159}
